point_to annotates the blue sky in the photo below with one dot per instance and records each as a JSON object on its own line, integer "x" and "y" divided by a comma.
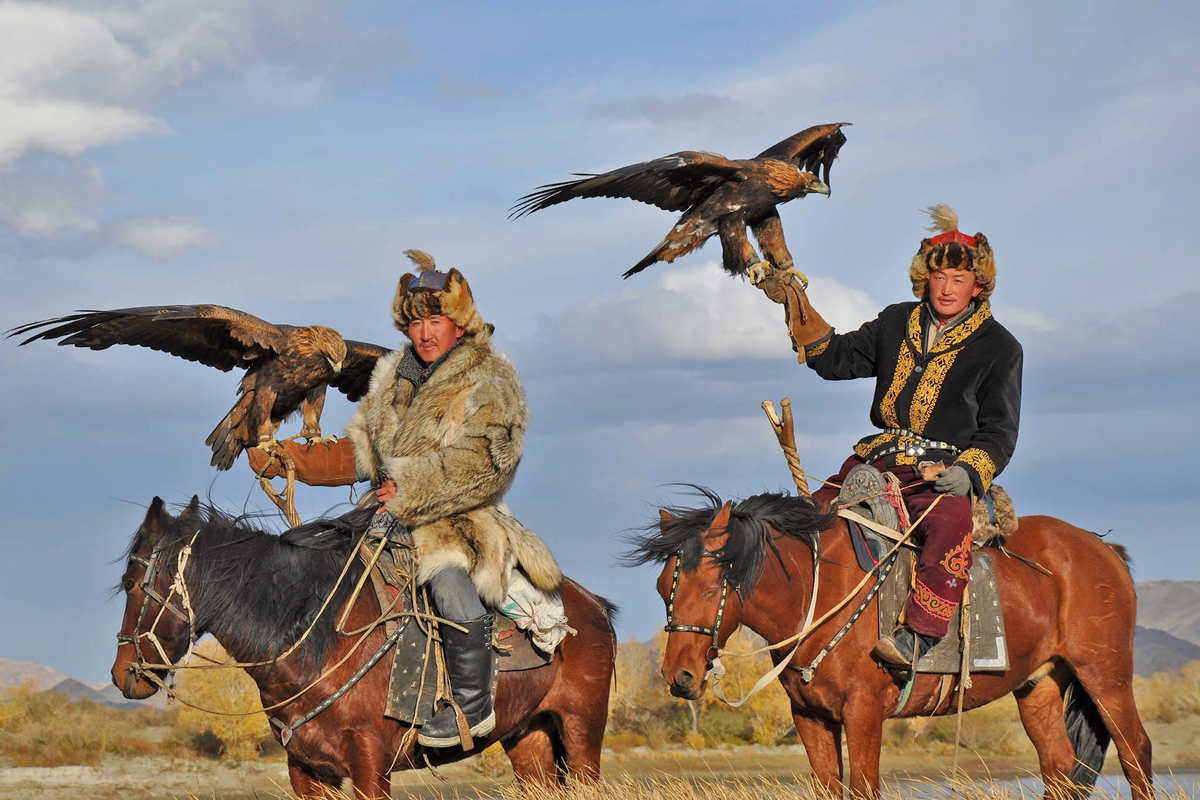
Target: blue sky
{"x": 279, "y": 161}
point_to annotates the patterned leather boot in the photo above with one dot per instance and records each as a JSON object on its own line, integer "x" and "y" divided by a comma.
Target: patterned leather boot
{"x": 472, "y": 672}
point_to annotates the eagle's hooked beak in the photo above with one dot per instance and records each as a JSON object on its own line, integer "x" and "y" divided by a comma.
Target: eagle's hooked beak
{"x": 819, "y": 187}
{"x": 337, "y": 365}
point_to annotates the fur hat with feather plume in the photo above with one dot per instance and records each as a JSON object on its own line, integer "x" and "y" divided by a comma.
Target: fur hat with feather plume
{"x": 952, "y": 249}
{"x": 430, "y": 292}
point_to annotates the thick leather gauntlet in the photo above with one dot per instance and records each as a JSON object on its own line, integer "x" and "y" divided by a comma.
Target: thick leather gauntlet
{"x": 805, "y": 325}
{"x": 316, "y": 464}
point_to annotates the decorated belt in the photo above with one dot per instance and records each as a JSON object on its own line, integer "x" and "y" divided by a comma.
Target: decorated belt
{"x": 919, "y": 447}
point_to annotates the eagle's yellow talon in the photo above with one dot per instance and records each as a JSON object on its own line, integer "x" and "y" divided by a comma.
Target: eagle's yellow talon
{"x": 328, "y": 441}
{"x": 757, "y": 273}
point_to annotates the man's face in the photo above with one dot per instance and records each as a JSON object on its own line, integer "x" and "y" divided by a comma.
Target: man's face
{"x": 433, "y": 336}
{"x": 951, "y": 291}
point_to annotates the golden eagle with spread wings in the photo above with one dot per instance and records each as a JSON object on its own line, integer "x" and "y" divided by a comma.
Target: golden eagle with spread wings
{"x": 287, "y": 367}
{"x": 717, "y": 195}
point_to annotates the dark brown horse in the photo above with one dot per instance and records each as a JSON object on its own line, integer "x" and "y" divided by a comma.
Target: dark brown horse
{"x": 257, "y": 593}
{"x": 1070, "y": 636}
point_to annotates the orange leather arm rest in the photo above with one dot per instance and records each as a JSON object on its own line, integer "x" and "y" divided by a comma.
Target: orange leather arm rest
{"x": 316, "y": 464}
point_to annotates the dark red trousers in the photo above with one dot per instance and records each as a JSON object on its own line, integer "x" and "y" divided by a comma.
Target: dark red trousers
{"x": 945, "y": 538}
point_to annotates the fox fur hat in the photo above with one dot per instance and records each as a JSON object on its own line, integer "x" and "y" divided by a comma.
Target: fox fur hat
{"x": 952, "y": 249}
{"x": 431, "y": 292}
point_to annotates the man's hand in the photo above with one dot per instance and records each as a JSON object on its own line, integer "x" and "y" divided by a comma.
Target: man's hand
{"x": 953, "y": 480}
{"x": 385, "y": 492}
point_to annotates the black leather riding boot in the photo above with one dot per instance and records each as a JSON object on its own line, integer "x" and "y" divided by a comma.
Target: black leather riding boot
{"x": 472, "y": 670}
{"x": 904, "y": 648}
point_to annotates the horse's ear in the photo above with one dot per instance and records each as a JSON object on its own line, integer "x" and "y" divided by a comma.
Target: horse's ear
{"x": 721, "y": 521}
{"x": 193, "y": 508}
{"x": 156, "y": 514}
{"x": 664, "y": 515}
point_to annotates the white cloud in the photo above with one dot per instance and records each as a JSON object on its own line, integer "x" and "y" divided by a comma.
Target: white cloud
{"x": 1027, "y": 319}
{"x": 695, "y": 313}
{"x": 89, "y": 74}
{"x": 161, "y": 238}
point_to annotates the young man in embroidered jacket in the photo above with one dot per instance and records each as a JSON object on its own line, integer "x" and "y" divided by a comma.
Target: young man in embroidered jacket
{"x": 439, "y": 435}
{"x": 947, "y": 389}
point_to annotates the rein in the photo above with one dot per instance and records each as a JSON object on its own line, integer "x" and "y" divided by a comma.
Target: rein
{"x": 807, "y": 674}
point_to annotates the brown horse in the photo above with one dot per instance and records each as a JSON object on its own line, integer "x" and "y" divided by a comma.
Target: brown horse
{"x": 1070, "y": 636}
{"x": 257, "y": 593}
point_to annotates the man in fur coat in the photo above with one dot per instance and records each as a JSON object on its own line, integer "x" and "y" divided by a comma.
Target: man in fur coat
{"x": 439, "y": 435}
{"x": 947, "y": 399}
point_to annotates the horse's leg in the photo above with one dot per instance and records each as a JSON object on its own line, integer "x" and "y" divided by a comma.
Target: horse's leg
{"x": 532, "y": 755}
{"x": 308, "y": 786}
{"x": 582, "y": 734}
{"x": 863, "y": 718}
{"x": 822, "y": 740}
{"x": 1111, "y": 689}
{"x": 370, "y": 763}
{"x": 1041, "y": 709}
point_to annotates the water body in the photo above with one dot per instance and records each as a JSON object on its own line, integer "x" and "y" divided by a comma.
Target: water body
{"x": 1108, "y": 787}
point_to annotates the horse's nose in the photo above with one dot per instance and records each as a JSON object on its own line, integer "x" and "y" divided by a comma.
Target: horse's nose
{"x": 683, "y": 684}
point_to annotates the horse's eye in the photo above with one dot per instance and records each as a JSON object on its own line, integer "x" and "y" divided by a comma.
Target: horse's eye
{"x": 127, "y": 584}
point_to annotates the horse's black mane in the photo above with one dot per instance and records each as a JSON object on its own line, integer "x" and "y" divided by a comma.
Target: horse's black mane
{"x": 258, "y": 592}
{"x": 750, "y": 521}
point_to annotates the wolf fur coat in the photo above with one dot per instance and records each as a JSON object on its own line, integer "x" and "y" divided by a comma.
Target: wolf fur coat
{"x": 452, "y": 447}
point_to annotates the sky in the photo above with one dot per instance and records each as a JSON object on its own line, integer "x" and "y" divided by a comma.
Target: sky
{"x": 278, "y": 158}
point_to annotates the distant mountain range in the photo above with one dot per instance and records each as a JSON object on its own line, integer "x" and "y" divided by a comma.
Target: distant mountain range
{"x": 43, "y": 678}
{"x": 1167, "y": 637}
{"x": 1171, "y": 606}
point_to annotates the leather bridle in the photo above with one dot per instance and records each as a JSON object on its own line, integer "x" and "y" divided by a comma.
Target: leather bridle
{"x": 153, "y": 570}
{"x": 714, "y": 630}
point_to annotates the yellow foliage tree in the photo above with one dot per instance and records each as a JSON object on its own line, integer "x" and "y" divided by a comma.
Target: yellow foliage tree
{"x": 225, "y": 690}
{"x": 770, "y": 710}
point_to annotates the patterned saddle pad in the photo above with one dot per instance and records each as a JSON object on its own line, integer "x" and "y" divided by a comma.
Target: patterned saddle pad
{"x": 413, "y": 689}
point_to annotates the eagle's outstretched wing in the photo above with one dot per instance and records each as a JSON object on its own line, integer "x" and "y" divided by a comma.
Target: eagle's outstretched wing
{"x": 811, "y": 149}
{"x": 672, "y": 183}
{"x": 215, "y": 336}
{"x": 355, "y": 377}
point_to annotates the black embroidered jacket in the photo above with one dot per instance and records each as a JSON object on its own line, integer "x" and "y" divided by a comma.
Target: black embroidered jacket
{"x": 965, "y": 392}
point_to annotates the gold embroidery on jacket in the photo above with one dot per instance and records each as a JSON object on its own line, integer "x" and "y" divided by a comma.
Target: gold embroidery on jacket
{"x": 864, "y": 449}
{"x": 903, "y": 457}
{"x": 914, "y": 330}
{"x": 904, "y": 367}
{"x": 958, "y": 334}
{"x": 815, "y": 350}
{"x": 928, "y": 388}
{"x": 982, "y": 463}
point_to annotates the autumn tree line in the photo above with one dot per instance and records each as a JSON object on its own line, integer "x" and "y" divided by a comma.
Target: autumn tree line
{"x": 50, "y": 729}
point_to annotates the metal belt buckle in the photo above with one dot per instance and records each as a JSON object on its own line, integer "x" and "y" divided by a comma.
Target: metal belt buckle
{"x": 914, "y": 450}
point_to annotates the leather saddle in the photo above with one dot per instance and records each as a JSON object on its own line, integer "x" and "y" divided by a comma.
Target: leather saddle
{"x": 865, "y": 493}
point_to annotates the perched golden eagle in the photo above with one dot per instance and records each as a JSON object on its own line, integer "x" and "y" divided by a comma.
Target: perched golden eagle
{"x": 716, "y": 195}
{"x": 287, "y": 367}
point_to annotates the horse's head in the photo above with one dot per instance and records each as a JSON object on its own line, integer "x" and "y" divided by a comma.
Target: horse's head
{"x": 703, "y": 608}
{"x": 156, "y": 629}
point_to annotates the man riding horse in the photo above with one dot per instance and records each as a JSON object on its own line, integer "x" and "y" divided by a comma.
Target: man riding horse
{"x": 947, "y": 391}
{"x": 439, "y": 435}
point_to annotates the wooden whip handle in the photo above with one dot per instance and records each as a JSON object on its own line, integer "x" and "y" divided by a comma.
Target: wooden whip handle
{"x": 785, "y": 432}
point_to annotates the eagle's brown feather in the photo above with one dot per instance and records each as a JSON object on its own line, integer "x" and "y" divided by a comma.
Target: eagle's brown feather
{"x": 287, "y": 367}
{"x": 718, "y": 196}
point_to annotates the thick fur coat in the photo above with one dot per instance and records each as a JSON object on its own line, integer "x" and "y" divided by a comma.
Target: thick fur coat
{"x": 453, "y": 447}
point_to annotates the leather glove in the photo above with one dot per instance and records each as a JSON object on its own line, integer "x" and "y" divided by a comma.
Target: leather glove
{"x": 775, "y": 287}
{"x": 316, "y": 464}
{"x": 953, "y": 480}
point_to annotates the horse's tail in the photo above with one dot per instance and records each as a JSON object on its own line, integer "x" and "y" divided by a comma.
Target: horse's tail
{"x": 1088, "y": 736}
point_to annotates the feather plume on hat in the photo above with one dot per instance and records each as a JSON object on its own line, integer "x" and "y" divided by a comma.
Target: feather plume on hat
{"x": 952, "y": 249}
{"x": 431, "y": 292}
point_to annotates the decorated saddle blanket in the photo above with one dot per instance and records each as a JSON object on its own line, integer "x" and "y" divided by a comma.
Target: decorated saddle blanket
{"x": 525, "y": 640}
{"x": 988, "y": 650}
